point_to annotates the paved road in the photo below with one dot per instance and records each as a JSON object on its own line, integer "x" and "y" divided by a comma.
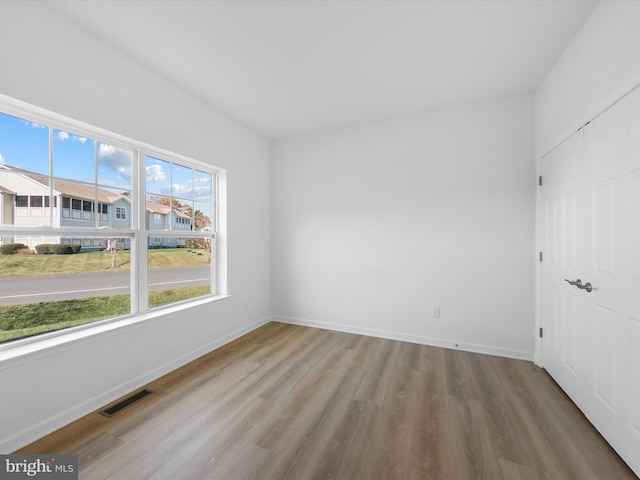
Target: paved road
{"x": 46, "y": 288}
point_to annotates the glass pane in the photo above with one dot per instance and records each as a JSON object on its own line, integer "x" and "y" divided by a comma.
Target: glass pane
{"x": 160, "y": 217}
{"x": 22, "y": 196}
{"x": 114, "y": 166}
{"x": 203, "y": 186}
{"x": 60, "y": 282}
{"x": 77, "y": 201}
{"x": 24, "y": 144}
{"x": 203, "y": 218}
{"x": 114, "y": 208}
{"x": 181, "y": 182}
{"x": 181, "y": 215}
{"x": 73, "y": 157}
{"x": 157, "y": 212}
{"x": 158, "y": 176}
{"x": 179, "y": 269}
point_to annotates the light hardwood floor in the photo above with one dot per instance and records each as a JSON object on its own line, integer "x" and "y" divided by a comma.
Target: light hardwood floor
{"x": 289, "y": 402}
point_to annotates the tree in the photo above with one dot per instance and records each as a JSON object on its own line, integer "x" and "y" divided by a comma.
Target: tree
{"x": 201, "y": 222}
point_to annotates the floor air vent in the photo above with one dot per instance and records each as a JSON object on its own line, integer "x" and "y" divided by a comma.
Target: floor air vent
{"x": 112, "y": 410}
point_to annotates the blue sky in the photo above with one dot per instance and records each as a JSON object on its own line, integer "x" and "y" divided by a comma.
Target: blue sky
{"x": 25, "y": 144}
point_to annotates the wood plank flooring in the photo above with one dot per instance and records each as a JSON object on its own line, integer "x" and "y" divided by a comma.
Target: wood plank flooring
{"x": 289, "y": 402}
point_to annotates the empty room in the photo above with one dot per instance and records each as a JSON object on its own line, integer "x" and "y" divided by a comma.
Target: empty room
{"x": 320, "y": 239}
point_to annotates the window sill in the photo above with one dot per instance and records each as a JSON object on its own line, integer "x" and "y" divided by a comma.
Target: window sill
{"x": 31, "y": 348}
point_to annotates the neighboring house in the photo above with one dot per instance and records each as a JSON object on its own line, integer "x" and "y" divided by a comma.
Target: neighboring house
{"x": 25, "y": 201}
{"x": 158, "y": 217}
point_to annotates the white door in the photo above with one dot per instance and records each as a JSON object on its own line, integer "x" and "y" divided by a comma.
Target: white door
{"x": 563, "y": 304}
{"x": 591, "y": 340}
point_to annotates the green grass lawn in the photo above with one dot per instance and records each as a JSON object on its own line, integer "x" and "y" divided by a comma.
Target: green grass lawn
{"x": 28, "y": 265}
{"x": 19, "y": 321}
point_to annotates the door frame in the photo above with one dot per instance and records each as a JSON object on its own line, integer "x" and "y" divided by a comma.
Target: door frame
{"x": 539, "y": 244}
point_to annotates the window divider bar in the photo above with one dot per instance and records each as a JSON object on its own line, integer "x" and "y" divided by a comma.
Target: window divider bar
{"x": 96, "y": 208}
{"x": 140, "y": 277}
{"x": 58, "y": 232}
{"x": 51, "y": 181}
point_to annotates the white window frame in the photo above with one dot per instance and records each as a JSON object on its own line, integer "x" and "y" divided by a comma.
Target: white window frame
{"x": 138, "y": 235}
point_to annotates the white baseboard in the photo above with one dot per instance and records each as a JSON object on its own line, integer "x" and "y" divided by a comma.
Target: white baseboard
{"x": 75, "y": 412}
{"x": 409, "y": 337}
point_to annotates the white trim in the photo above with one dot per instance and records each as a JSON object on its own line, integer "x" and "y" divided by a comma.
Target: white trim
{"x": 139, "y": 251}
{"x": 539, "y": 243}
{"x": 408, "y": 337}
{"x": 75, "y": 412}
{"x": 68, "y": 231}
{"x": 179, "y": 234}
{"x": 220, "y": 239}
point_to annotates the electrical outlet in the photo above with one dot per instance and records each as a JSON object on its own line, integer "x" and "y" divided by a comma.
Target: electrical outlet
{"x": 436, "y": 312}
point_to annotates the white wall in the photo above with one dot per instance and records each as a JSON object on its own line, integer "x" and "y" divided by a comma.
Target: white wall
{"x": 50, "y": 63}
{"x": 374, "y": 225}
{"x": 600, "y": 65}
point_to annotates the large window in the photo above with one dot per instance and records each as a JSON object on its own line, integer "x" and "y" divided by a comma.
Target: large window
{"x": 132, "y": 228}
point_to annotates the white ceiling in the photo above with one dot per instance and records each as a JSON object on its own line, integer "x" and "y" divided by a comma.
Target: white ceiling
{"x": 286, "y": 68}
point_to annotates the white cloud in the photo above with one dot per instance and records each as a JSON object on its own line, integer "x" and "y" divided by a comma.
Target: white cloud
{"x": 64, "y": 136}
{"x": 107, "y": 150}
{"x": 33, "y": 124}
{"x": 1, "y": 159}
{"x": 181, "y": 190}
{"x": 115, "y": 159}
{"x": 201, "y": 191}
{"x": 202, "y": 188}
{"x": 154, "y": 173}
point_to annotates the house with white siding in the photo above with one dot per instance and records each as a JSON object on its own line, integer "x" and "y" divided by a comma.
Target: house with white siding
{"x": 160, "y": 217}
{"x": 25, "y": 200}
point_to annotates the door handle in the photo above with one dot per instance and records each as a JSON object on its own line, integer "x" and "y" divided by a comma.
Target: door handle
{"x": 587, "y": 286}
{"x": 578, "y": 283}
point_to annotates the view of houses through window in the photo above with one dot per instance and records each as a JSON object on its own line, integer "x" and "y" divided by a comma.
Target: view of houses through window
{"x": 72, "y": 218}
